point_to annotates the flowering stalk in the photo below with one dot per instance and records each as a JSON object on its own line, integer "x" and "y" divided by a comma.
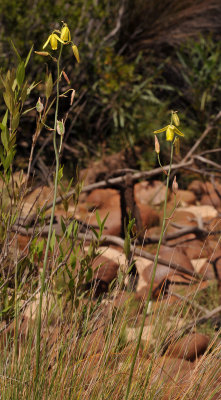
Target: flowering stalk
{"x": 38, "y": 342}
{"x": 175, "y": 187}
{"x": 53, "y": 39}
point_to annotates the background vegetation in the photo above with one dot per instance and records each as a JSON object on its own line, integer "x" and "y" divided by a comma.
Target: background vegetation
{"x": 138, "y": 59}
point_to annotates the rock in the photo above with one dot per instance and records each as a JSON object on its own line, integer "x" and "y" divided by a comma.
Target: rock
{"x": 189, "y": 347}
{"x": 182, "y": 216}
{"x": 207, "y": 192}
{"x": 37, "y": 198}
{"x": 211, "y": 199}
{"x": 105, "y": 269}
{"x": 149, "y": 216}
{"x": 200, "y": 211}
{"x": 177, "y": 256}
{"x": 163, "y": 273}
{"x": 196, "y": 187}
{"x": 107, "y": 201}
{"x": 199, "y": 264}
{"x": 172, "y": 375}
{"x": 103, "y": 198}
{"x": 183, "y": 198}
{"x": 196, "y": 249}
{"x": 150, "y": 192}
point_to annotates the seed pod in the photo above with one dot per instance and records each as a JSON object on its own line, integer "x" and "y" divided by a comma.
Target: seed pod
{"x": 39, "y": 105}
{"x": 60, "y": 127}
{"x": 42, "y": 53}
{"x": 157, "y": 145}
{"x": 66, "y": 77}
{"x": 175, "y": 185}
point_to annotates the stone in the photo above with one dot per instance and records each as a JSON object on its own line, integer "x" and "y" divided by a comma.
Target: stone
{"x": 148, "y": 216}
{"x": 150, "y": 192}
{"x": 204, "y": 211}
{"x": 183, "y": 198}
{"x": 211, "y": 199}
{"x": 176, "y": 255}
{"x": 103, "y": 198}
{"x": 196, "y": 249}
{"x": 189, "y": 347}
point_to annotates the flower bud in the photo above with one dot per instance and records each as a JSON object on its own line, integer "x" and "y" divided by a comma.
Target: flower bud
{"x": 72, "y": 96}
{"x": 42, "y": 53}
{"x": 60, "y": 127}
{"x": 157, "y": 145}
{"x": 175, "y": 185}
{"x": 175, "y": 118}
{"x": 66, "y": 77}
{"x": 39, "y": 105}
{"x": 65, "y": 34}
{"x": 76, "y": 53}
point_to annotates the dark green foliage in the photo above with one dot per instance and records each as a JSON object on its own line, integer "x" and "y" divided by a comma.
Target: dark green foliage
{"x": 136, "y": 62}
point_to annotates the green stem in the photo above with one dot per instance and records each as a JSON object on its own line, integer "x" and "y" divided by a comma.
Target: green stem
{"x": 38, "y": 341}
{"x": 152, "y": 280}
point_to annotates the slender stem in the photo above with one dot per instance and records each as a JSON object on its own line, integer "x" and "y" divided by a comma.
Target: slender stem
{"x": 38, "y": 341}
{"x": 152, "y": 280}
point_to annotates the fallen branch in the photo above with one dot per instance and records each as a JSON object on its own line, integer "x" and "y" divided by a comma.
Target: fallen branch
{"x": 115, "y": 240}
{"x": 109, "y": 183}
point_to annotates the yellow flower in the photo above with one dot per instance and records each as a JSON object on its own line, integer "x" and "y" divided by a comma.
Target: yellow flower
{"x": 171, "y": 130}
{"x": 65, "y": 33}
{"x": 53, "y": 39}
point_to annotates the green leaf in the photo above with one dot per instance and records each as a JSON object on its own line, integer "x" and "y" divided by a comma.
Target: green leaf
{"x": 69, "y": 229}
{"x": 28, "y": 56}
{"x": 40, "y": 247}
{"x": 16, "y": 51}
{"x": 5, "y": 138}
{"x": 52, "y": 241}
{"x": 60, "y": 173}
{"x": 103, "y": 222}
{"x": 9, "y": 101}
{"x": 63, "y": 226}
{"x": 5, "y": 118}
{"x": 24, "y": 92}
{"x": 89, "y": 274}
{"x": 73, "y": 261}
{"x": 94, "y": 232}
{"x": 98, "y": 219}
{"x": 127, "y": 243}
{"x": 15, "y": 120}
{"x": 75, "y": 229}
{"x": 20, "y": 73}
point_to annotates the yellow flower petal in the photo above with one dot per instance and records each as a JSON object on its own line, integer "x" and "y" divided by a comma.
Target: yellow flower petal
{"x": 177, "y": 131}
{"x": 161, "y": 130}
{"x": 47, "y": 41}
{"x": 170, "y": 133}
{"x": 53, "y": 41}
